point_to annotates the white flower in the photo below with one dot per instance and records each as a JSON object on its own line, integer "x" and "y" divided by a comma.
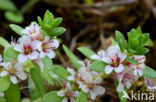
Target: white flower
{"x": 138, "y": 68}
{"x": 68, "y": 94}
{"x": 91, "y": 86}
{"x": 1, "y": 94}
{"x": 46, "y": 47}
{"x": 27, "y": 49}
{"x": 125, "y": 78}
{"x": 14, "y": 72}
{"x": 114, "y": 58}
{"x": 33, "y": 31}
{"x": 100, "y": 56}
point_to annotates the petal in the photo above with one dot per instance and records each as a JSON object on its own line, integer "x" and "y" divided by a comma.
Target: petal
{"x": 18, "y": 47}
{"x": 119, "y": 69}
{"x": 120, "y": 87}
{"x": 76, "y": 93}
{"x": 71, "y": 78}
{"x": 7, "y": 65}
{"x": 140, "y": 72}
{"x": 96, "y": 57}
{"x": 33, "y": 55}
{"x": 61, "y": 93}
{"x": 21, "y": 74}
{"x": 71, "y": 71}
{"x": 46, "y": 39}
{"x": 3, "y": 73}
{"x": 13, "y": 79}
{"x": 108, "y": 69}
{"x": 72, "y": 99}
{"x": 128, "y": 84}
{"x": 68, "y": 86}
{"x": 55, "y": 43}
{"x": 39, "y": 46}
{"x": 42, "y": 54}
{"x": 22, "y": 58}
{"x": 93, "y": 94}
{"x": 122, "y": 57}
{"x": 65, "y": 99}
{"x": 99, "y": 90}
{"x": 51, "y": 54}
{"x": 34, "y": 44}
{"x": 98, "y": 80}
{"x": 25, "y": 40}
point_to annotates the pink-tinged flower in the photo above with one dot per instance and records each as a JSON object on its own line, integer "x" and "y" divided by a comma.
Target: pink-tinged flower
{"x": 33, "y": 31}
{"x": 100, "y": 56}
{"x": 14, "y": 72}
{"x": 46, "y": 47}
{"x": 27, "y": 49}
{"x": 138, "y": 68}
{"x": 68, "y": 94}
{"x": 114, "y": 58}
{"x": 125, "y": 78}
{"x": 91, "y": 86}
{"x": 80, "y": 74}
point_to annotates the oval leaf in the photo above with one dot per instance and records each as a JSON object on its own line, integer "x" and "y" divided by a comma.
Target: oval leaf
{"x": 52, "y": 97}
{"x": 149, "y": 72}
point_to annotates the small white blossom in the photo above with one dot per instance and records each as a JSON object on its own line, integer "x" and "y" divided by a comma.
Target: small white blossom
{"x": 46, "y": 47}
{"x": 100, "y": 56}
{"x": 27, "y": 49}
{"x": 68, "y": 94}
{"x": 14, "y": 72}
{"x": 91, "y": 86}
{"x": 125, "y": 78}
{"x": 138, "y": 68}
{"x": 113, "y": 57}
{"x": 33, "y": 31}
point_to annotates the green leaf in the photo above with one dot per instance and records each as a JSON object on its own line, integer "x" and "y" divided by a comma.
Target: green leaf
{"x": 87, "y": 52}
{"x": 37, "y": 79}
{"x": 34, "y": 92}
{"x": 57, "y": 31}
{"x": 82, "y": 97}
{"x": 149, "y": 72}
{"x": 5, "y": 83}
{"x": 25, "y": 100}
{"x": 16, "y": 29}
{"x": 47, "y": 62}
{"x": 10, "y": 53}
{"x": 2, "y": 99}
{"x": 72, "y": 57}
{"x": 7, "y": 5}
{"x": 60, "y": 71}
{"x": 14, "y": 17}
{"x": 56, "y": 22}
{"x": 3, "y": 42}
{"x": 121, "y": 41}
{"x": 142, "y": 51}
{"x": 13, "y": 93}
{"x": 48, "y": 17}
{"x": 52, "y": 97}
{"x": 47, "y": 76}
{"x": 98, "y": 66}
{"x": 131, "y": 60}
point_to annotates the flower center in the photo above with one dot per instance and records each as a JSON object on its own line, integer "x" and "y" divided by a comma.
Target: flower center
{"x": 115, "y": 61}
{"x": 12, "y": 71}
{"x": 46, "y": 46}
{"x": 27, "y": 49}
{"x": 68, "y": 93}
{"x": 90, "y": 86}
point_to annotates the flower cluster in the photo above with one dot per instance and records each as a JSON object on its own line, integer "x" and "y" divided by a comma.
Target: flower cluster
{"x": 34, "y": 45}
{"x": 117, "y": 64}
{"x": 87, "y": 80}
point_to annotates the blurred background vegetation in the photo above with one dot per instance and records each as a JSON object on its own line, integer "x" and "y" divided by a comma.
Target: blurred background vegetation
{"x": 89, "y": 23}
